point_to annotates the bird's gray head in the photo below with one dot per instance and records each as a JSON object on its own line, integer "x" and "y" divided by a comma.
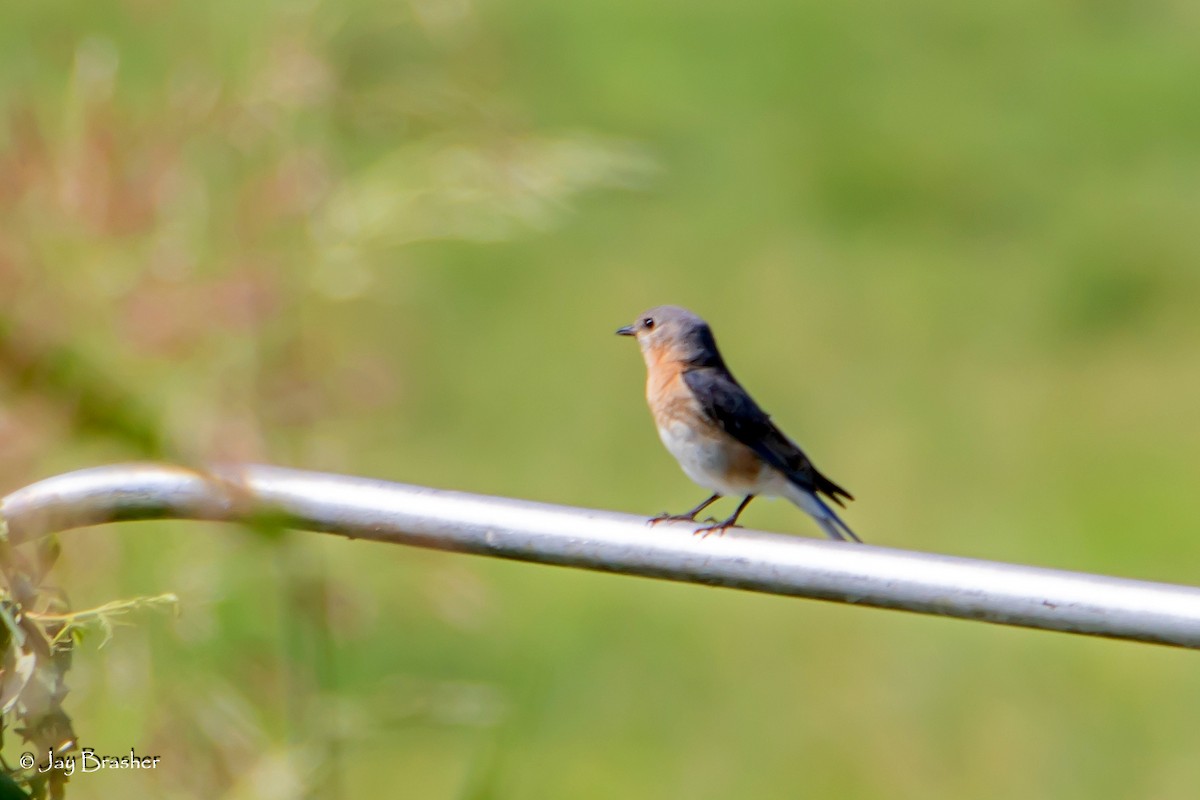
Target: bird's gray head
{"x": 671, "y": 333}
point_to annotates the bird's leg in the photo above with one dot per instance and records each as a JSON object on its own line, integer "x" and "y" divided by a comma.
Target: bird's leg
{"x": 689, "y": 516}
{"x": 720, "y": 527}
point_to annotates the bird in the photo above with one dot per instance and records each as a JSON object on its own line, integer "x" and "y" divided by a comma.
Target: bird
{"x": 721, "y": 438}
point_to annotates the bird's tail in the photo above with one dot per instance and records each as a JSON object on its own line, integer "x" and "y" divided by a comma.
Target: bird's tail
{"x": 825, "y": 516}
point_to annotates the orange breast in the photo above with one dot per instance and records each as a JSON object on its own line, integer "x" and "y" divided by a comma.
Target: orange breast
{"x": 669, "y": 398}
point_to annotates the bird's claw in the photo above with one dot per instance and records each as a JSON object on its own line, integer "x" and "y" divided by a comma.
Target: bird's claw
{"x": 719, "y": 529}
{"x": 665, "y": 517}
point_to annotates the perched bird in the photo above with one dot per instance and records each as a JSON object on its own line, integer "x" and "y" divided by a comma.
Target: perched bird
{"x": 716, "y": 431}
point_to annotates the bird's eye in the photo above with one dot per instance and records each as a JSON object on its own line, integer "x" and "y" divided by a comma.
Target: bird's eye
{"x": 648, "y": 323}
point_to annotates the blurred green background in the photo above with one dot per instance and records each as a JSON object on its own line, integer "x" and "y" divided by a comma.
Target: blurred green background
{"x": 951, "y": 247}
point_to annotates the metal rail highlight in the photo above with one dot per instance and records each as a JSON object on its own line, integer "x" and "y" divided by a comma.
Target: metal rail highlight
{"x": 362, "y": 508}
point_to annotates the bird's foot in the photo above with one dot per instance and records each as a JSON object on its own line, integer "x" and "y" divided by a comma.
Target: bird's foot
{"x": 665, "y": 517}
{"x": 719, "y": 529}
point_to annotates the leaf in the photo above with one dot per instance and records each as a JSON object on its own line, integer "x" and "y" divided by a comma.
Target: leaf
{"x": 18, "y": 669}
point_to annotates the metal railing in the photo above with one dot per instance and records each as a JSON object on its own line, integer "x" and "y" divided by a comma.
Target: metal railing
{"x": 362, "y": 508}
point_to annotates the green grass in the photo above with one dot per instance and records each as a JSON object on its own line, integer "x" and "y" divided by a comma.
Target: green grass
{"x": 951, "y": 249}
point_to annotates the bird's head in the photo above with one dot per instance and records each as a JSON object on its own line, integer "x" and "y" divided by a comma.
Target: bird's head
{"x": 671, "y": 333}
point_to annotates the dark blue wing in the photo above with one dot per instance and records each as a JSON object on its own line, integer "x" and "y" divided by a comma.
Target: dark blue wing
{"x": 729, "y": 405}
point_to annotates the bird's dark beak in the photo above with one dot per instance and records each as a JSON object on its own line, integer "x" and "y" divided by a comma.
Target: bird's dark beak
{"x": 626, "y": 331}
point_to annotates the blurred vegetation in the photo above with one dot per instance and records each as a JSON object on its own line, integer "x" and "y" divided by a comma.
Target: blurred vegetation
{"x": 950, "y": 247}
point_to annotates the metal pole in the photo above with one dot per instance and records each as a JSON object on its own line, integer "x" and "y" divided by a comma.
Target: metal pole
{"x": 361, "y": 508}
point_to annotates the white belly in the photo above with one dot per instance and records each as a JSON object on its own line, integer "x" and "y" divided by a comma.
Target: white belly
{"x": 707, "y": 461}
